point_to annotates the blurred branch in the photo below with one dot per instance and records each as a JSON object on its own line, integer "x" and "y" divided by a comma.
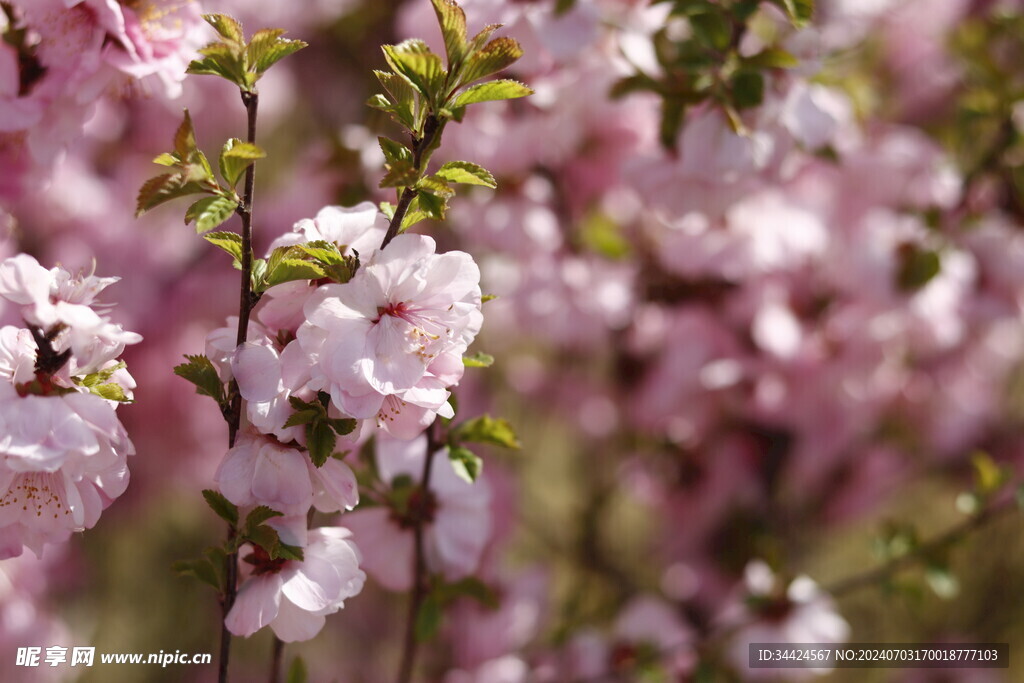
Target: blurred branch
{"x": 420, "y": 587}
{"x": 923, "y": 550}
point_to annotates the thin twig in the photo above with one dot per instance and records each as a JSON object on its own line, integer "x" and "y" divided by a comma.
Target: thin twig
{"x": 420, "y": 585}
{"x": 251, "y": 102}
{"x": 432, "y": 128}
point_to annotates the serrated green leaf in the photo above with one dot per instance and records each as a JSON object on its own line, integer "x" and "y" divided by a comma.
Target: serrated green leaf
{"x": 412, "y": 60}
{"x": 259, "y": 515}
{"x": 402, "y": 105}
{"x": 228, "y": 241}
{"x": 284, "y": 551}
{"x": 435, "y": 186}
{"x": 163, "y": 188}
{"x": 211, "y": 66}
{"x": 221, "y": 506}
{"x": 498, "y": 54}
{"x": 185, "y": 138}
{"x": 502, "y": 89}
{"x": 201, "y": 372}
{"x": 228, "y": 27}
{"x": 282, "y": 48}
{"x": 166, "y": 159}
{"x": 466, "y": 173}
{"x": 466, "y": 463}
{"x": 301, "y": 417}
{"x": 478, "y": 360}
{"x": 264, "y": 536}
{"x": 394, "y": 150}
{"x": 343, "y": 425}
{"x": 452, "y": 20}
{"x": 210, "y": 212}
{"x": 428, "y": 618}
{"x": 432, "y": 206}
{"x": 292, "y": 269}
{"x": 399, "y": 174}
{"x": 320, "y": 440}
{"x": 486, "y": 429}
{"x": 235, "y": 157}
{"x": 100, "y": 376}
{"x": 324, "y": 252}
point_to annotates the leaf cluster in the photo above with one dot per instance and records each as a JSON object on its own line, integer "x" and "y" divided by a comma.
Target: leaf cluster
{"x": 422, "y": 93}
{"x": 706, "y": 64}
{"x": 322, "y": 431}
{"x": 484, "y": 430}
{"x": 318, "y": 260}
{"x": 238, "y": 61}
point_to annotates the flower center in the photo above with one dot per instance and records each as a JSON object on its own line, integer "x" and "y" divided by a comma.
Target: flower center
{"x": 262, "y": 563}
{"x": 419, "y": 509}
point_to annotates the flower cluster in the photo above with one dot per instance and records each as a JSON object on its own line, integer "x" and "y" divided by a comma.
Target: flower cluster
{"x": 64, "y": 450}
{"x": 376, "y": 352}
{"x": 58, "y": 56}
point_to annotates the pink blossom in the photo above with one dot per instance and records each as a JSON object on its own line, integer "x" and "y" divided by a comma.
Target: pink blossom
{"x": 293, "y": 597}
{"x": 455, "y": 513}
{"x": 260, "y": 470}
{"x": 357, "y": 229}
{"x": 394, "y": 335}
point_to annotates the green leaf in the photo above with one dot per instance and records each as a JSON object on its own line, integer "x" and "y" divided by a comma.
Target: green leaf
{"x": 201, "y": 372}
{"x": 916, "y": 267}
{"x": 747, "y": 88}
{"x": 488, "y": 297}
{"x": 428, "y": 618}
{"x": 800, "y": 11}
{"x": 301, "y": 417}
{"x": 343, "y": 425}
{"x": 402, "y": 105}
{"x": 262, "y": 60}
{"x": 432, "y": 206}
{"x": 394, "y": 150}
{"x": 228, "y": 27}
{"x": 772, "y": 58}
{"x": 486, "y": 429}
{"x": 324, "y": 252}
{"x": 413, "y": 60}
{"x": 320, "y": 440}
{"x": 235, "y": 157}
{"x": 297, "y": 672}
{"x": 399, "y": 174}
{"x": 200, "y": 568}
{"x": 111, "y": 392}
{"x": 223, "y": 507}
{"x": 498, "y": 54}
{"x": 478, "y": 360}
{"x": 210, "y": 66}
{"x": 166, "y": 159}
{"x": 453, "y": 29}
{"x": 466, "y": 173}
{"x": 163, "y": 188}
{"x": 185, "y": 138}
{"x": 228, "y": 241}
{"x": 673, "y": 110}
{"x": 210, "y": 212}
{"x": 291, "y": 269}
{"x": 466, "y": 463}
{"x": 435, "y": 186}
{"x": 712, "y": 28}
{"x": 259, "y": 515}
{"x": 503, "y": 89}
